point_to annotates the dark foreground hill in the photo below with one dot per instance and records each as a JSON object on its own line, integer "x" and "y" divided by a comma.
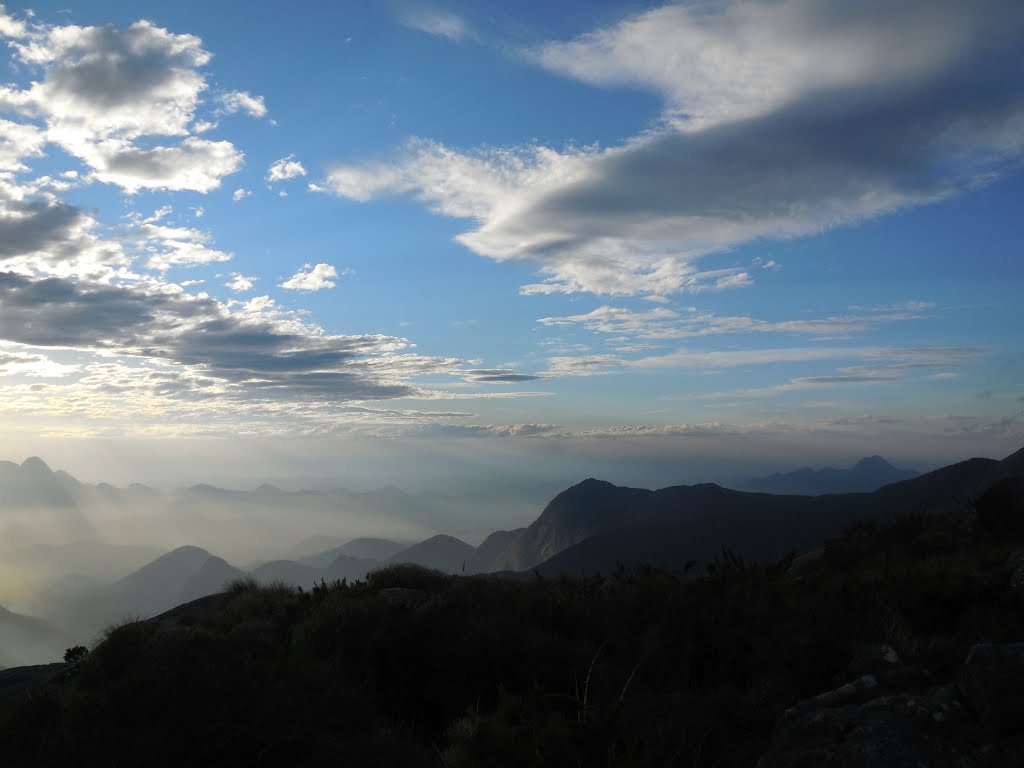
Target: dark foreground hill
{"x": 896, "y": 645}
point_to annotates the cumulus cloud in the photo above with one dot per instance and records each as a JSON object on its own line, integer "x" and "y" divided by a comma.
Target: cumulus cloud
{"x": 240, "y": 194}
{"x": 241, "y": 101}
{"x": 113, "y": 97}
{"x": 284, "y": 169}
{"x": 313, "y": 278}
{"x": 194, "y": 164}
{"x": 9, "y": 26}
{"x": 240, "y": 283}
{"x": 18, "y": 142}
{"x": 885, "y": 107}
{"x": 169, "y": 246}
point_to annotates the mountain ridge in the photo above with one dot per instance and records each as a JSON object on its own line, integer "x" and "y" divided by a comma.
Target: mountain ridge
{"x": 866, "y": 475}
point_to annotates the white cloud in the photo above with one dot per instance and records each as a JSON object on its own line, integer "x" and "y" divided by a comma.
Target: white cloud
{"x": 9, "y": 26}
{"x": 877, "y": 363}
{"x": 436, "y": 22}
{"x": 240, "y": 283}
{"x": 284, "y": 169}
{"x": 194, "y": 164}
{"x": 781, "y": 120}
{"x": 20, "y": 361}
{"x": 732, "y": 61}
{"x": 665, "y": 323}
{"x": 19, "y": 142}
{"x": 311, "y": 278}
{"x": 170, "y": 246}
{"x": 115, "y": 97}
{"x": 241, "y": 101}
{"x": 240, "y": 194}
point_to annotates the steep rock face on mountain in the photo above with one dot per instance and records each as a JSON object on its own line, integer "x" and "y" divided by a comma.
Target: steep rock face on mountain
{"x": 488, "y": 554}
{"x": 572, "y": 516}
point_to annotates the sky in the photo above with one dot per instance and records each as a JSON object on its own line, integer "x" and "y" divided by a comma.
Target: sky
{"x": 432, "y": 243}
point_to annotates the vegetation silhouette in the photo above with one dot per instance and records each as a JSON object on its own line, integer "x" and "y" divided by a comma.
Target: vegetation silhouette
{"x": 642, "y": 667}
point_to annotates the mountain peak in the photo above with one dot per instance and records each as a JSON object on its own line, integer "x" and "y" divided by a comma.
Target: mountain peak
{"x": 35, "y": 464}
{"x": 591, "y": 485}
{"x": 873, "y": 462}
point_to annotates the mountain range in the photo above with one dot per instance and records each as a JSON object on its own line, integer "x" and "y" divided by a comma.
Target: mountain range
{"x": 868, "y": 474}
{"x": 592, "y": 527}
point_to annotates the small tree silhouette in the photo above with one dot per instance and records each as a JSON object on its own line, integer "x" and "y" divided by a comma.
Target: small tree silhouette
{"x": 75, "y": 654}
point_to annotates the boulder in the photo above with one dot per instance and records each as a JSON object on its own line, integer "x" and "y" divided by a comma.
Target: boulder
{"x": 903, "y": 730}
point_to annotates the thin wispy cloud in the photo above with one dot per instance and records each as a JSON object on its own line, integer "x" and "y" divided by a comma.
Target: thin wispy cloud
{"x": 437, "y": 22}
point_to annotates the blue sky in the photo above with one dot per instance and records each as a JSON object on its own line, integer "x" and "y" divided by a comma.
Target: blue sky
{"x": 510, "y": 236}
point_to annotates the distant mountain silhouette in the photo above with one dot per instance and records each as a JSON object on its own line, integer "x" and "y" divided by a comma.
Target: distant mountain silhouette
{"x": 215, "y": 574}
{"x": 351, "y": 568}
{"x": 154, "y": 588}
{"x": 670, "y": 527}
{"x": 36, "y": 506}
{"x": 361, "y": 549}
{"x": 868, "y": 474}
{"x": 28, "y": 640}
{"x": 445, "y": 553}
{"x": 287, "y": 571}
{"x": 597, "y": 524}
{"x": 371, "y": 549}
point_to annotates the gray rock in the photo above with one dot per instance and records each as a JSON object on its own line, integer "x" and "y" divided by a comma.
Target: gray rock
{"x": 903, "y": 730}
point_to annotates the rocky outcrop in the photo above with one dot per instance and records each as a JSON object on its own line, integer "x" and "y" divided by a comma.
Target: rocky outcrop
{"x": 900, "y": 730}
{"x": 904, "y": 719}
